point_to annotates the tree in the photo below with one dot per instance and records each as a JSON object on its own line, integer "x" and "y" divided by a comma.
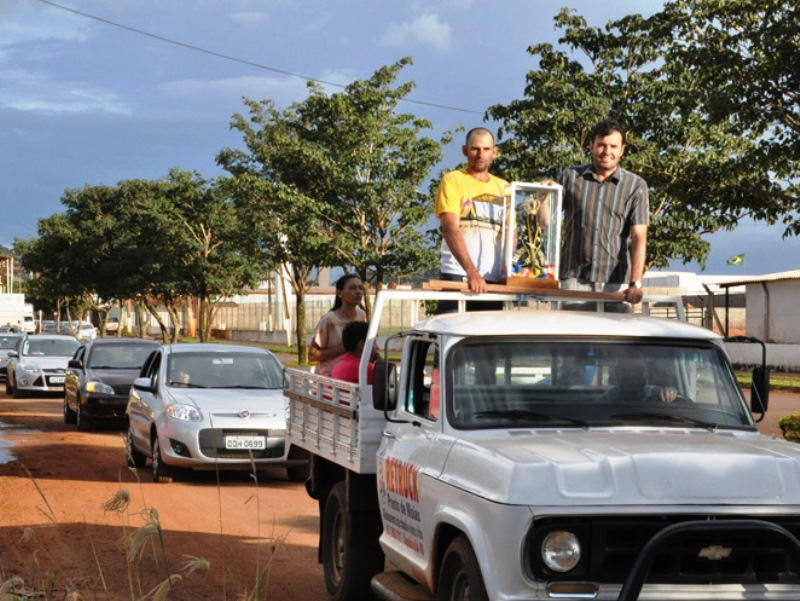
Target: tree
{"x": 745, "y": 56}
{"x": 333, "y": 181}
{"x": 153, "y": 241}
{"x": 374, "y": 162}
{"x": 692, "y": 160}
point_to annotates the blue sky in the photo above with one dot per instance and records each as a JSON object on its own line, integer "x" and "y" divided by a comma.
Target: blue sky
{"x": 91, "y": 101}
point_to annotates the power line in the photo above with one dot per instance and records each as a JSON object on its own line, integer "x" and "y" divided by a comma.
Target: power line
{"x": 236, "y": 59}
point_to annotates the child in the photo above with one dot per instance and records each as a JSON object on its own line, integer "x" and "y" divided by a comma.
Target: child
{"x": 354, "y": 336}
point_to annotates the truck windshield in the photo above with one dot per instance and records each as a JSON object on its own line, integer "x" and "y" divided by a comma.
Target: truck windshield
{"x": 567, "y": 384}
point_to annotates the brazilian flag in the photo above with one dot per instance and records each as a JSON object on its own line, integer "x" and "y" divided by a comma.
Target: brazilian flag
{"x": 736, "y": 260}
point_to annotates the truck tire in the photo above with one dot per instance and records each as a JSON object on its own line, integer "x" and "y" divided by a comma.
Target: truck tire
{"x": 348, "y": 563}
{"x": 460, "y": 577}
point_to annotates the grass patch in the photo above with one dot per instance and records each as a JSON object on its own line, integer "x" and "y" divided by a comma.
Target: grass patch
{"x": 777, "y": 381}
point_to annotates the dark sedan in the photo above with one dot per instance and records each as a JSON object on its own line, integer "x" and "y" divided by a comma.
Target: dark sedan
{"x": 99, "y": 378}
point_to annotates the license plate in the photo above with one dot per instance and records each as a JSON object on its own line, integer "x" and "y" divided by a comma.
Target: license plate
{"x": 245, "y": 442}
{"x": 56, "y": 379}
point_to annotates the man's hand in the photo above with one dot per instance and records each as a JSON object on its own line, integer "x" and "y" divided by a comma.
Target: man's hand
{"x": 633, "y": 295}
{"x": 668, "y": 394}
{"x": 476, "y": 283}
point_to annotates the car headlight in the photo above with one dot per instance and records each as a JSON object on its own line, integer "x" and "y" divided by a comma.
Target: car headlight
{"x": 185, "y": 413}
{"x": 29, "y": 368}
{"x": 99, "y": 388}
{"x": 561, "y": 551}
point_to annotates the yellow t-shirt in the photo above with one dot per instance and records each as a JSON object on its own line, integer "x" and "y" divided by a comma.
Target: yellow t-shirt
{"x": 482, "y": 214}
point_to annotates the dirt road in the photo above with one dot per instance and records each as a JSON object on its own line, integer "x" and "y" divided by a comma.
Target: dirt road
{"x": 56, "y": 534}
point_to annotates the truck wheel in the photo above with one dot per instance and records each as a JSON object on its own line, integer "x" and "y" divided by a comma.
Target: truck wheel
{"x": 349, "y": 564}
{"x": 69, "y": 414}
{"x": 460, "y": 577}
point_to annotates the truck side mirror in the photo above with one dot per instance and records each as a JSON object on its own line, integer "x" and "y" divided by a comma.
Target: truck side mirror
{"x": 384, "y": 386}
{"x": 759, "y": 392}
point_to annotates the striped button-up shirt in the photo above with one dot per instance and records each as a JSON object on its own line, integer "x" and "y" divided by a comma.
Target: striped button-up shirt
{"x": 597, "y": 221}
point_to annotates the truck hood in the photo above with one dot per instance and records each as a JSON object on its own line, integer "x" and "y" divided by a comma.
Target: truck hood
{"x": 627, "y": 467}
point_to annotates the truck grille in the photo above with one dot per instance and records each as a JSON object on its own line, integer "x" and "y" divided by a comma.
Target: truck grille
{"x": 611, "y": 546}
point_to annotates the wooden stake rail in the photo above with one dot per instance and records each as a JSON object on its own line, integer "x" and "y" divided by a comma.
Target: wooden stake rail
{"x": 549, "y": 291}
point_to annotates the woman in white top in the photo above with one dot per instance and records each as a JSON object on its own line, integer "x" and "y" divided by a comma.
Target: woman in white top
{"x": 326, "y": 346}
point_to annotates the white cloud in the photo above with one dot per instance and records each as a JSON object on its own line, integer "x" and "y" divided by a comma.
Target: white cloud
{"x": 61, "y": 98}
{"x": 425, "y": 30}
{"x": 249, "y": 18}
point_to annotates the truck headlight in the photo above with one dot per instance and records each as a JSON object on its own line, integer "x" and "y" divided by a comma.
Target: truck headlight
{"x": 561, "y": 551}
{"x": 185, "y": 413}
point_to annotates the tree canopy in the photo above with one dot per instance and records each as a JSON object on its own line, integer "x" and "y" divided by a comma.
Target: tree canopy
{"x": 691, "y": 134}
{"x": 334, "y": 181}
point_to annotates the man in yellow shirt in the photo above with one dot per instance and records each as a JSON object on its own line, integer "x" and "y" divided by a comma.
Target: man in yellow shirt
{"x": 469, "y": 205}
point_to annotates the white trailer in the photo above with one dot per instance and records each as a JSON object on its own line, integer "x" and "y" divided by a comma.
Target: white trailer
{"x": 12, "y": 310}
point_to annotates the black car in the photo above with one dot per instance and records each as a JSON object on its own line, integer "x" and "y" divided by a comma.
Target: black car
{"x": 99, "y": 378}
{"x": 8, "y": 342}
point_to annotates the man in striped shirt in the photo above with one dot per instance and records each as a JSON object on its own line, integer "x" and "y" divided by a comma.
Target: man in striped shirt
{"x": 606, "y": 215}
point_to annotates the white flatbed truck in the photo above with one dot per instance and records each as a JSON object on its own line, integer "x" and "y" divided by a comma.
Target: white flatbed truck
{"x": 524, "y": 455}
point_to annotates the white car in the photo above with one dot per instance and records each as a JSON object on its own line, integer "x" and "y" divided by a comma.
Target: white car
{"x": 207, "y": 407}
{"x": 39, "y": 364}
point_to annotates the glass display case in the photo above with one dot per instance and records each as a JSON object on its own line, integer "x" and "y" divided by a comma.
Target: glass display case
{"x": 533, "y": 238}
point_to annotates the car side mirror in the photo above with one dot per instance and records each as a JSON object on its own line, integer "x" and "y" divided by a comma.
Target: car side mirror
{"x": 76, "y": 363}
{"x": 384, "y": 386}
{"x": 13, "y": 354}
{"x": 143, "y": 384}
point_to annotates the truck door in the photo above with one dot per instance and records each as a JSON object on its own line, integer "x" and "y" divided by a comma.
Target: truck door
{"x": 413, "y": 450}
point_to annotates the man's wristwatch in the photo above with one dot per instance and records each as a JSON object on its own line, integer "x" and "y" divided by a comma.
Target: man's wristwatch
{"x": 635, "y": 284}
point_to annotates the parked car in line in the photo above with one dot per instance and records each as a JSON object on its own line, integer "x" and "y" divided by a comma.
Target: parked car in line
{"x": 99, "y": 378}
{"x": 8, "y": 342}
{"x": 47, "y": 326}
{"x": 39, "y": 364}
{"x": 82, "y": 330}
{"x": 112, "y": 324}
{"x": 210, "y": 406}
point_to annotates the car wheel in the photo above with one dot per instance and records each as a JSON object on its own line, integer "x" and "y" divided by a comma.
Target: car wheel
{"x": 460, "y": 577}
{"x": 161, "y": 471}
{"x": 351, "y": 555}
{"x": 83, "y": 420}
{"x": 135, "y": 458}
{"x": 69, "y": 415}
{"x": 19, "y": 394}
{"x": 297, "y": 474}
{"x": 9, "y": 387}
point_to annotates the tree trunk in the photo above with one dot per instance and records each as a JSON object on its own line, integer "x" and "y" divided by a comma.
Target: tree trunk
{"x": 300, "y": 327}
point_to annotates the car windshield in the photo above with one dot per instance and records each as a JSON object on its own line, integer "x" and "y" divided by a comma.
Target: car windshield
{"x": 50, "y": 347}
{"x": 119, "y": 356}
{"x": 224, "y": 370}
{"x": 555, "y": 383}
{"x": 8, "y": 342}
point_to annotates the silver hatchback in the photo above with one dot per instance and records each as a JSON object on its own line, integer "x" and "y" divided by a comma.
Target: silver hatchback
{"x": 210, "y": 406}
{"x": 39, "y": 364}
